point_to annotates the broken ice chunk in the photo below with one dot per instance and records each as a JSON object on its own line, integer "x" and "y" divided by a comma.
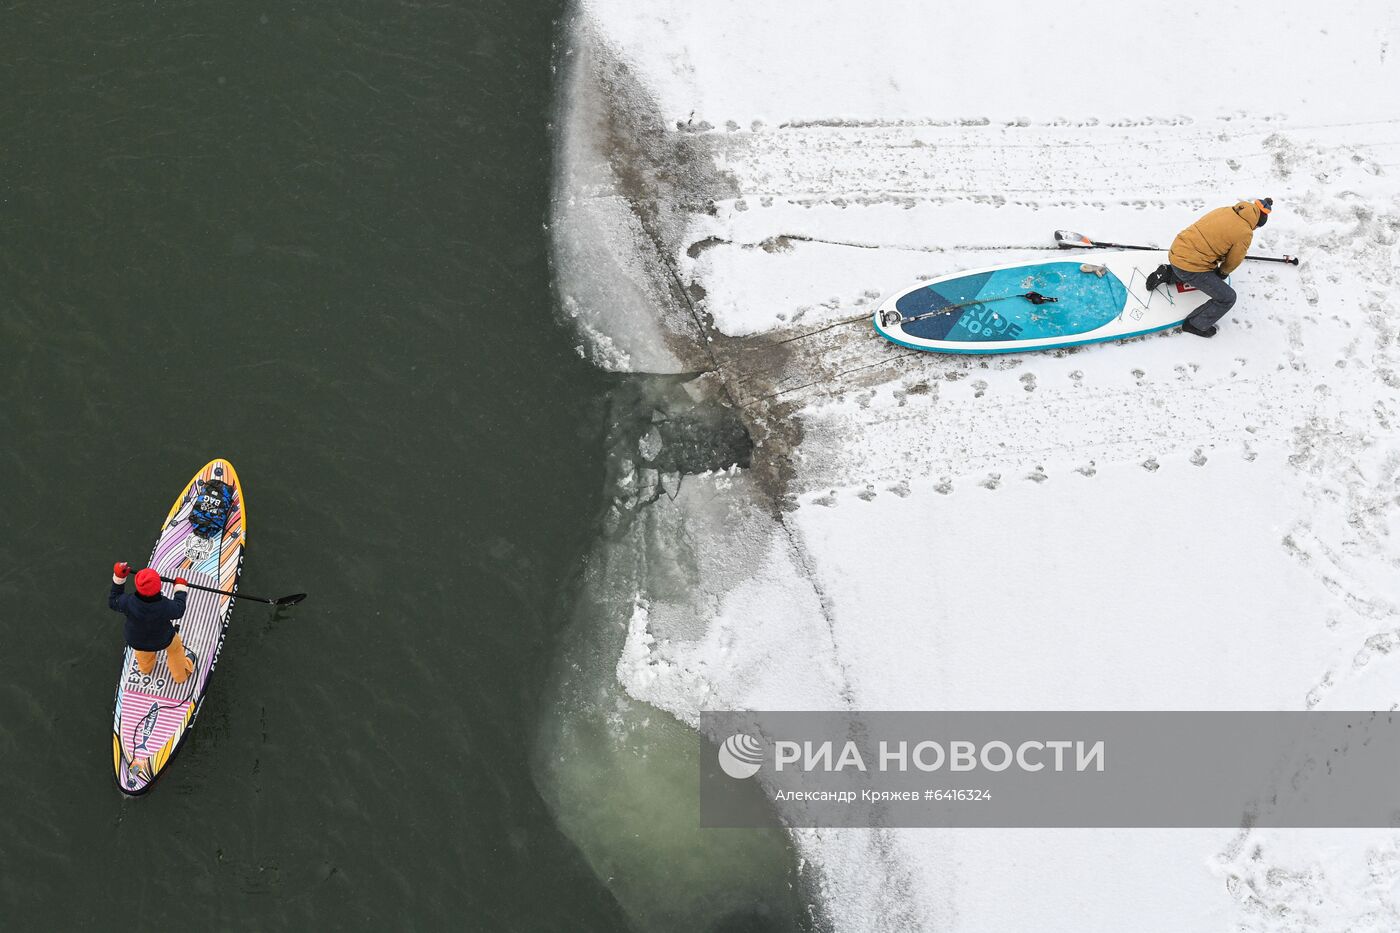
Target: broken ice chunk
{"x": 671, "y": 483}
{"x": 650, "y": 444}
{"x": 626, "y": 477}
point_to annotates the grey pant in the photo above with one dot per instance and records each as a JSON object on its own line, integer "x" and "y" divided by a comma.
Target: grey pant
{"x": 1221, "y": 294}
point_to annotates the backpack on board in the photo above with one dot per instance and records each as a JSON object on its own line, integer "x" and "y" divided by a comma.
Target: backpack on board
{"x": 212, "y": 508}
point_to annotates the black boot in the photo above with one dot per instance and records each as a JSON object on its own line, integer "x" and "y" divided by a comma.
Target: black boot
{"x": 1190, "y": 328}
{"x": 1162, "y": 275}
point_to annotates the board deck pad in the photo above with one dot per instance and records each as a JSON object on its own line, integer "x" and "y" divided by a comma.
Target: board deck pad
{"x": 152, "y": 712}
{"x": 982, "y": 311}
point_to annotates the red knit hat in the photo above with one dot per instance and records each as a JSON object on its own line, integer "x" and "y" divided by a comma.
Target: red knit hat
{"x": 148, "y": 582}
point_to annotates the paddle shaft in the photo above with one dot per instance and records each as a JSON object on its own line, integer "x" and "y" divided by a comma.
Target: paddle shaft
{"x": 210, "y": 589}
{"x": 1291, "y": 260}
{"x": 947, "y": 309}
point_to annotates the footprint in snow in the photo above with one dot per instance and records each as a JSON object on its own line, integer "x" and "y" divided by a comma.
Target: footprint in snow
{"x": 1151, "y": 465}
{"x": 900, "y": 489}
{"x": 866, "y": 494}
{"x": 1028, "y": 382}
{"x": 992, "y": 481}
{"x": 1089, "y": 470}
{"x": 1315, "y": 695}
{"x": 1198, "y": 458}
{"x": 944, "y": 487}
{"x": 979, "y": 388}
{"x": 828, "y": 500}
{"x": 1037, "y": 475}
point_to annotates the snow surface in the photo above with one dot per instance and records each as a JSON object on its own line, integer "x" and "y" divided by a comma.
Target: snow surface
{"x": 1163, "y": 523}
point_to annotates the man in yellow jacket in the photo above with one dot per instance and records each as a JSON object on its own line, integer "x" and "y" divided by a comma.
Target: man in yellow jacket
{"x": 1205, "y": 253}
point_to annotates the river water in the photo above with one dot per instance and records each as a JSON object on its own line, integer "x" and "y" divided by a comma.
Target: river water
{"x": 311, "y": 240}
{"x": 308, "y": 239}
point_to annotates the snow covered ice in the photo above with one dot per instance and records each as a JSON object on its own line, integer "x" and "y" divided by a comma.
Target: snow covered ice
{"x": 1166, "y": 523}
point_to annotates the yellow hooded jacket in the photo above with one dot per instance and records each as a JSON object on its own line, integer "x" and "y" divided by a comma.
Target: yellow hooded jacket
{"x": 1220, "y": 237}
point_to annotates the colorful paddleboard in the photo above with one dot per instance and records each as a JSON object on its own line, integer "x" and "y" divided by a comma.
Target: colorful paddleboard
{"x": 153, "y": 713}
{"x": 1037, "y": 306}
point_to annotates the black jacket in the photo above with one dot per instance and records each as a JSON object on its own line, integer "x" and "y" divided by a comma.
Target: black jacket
{"x": 148, "y": 618}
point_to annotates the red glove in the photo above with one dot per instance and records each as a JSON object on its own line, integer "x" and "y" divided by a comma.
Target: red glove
{"x": 181, "y": 581}
{"x": 121, "y": 570}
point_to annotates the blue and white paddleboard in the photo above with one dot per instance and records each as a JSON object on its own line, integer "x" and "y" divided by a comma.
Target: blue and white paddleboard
{"x": 1037, "y": 305}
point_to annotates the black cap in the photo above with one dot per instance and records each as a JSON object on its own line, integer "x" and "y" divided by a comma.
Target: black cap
{"x": 1267, "y": 205}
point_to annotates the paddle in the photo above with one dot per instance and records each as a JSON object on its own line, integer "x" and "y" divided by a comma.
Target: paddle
{"x": 892, "y": 316}
{"x": 291, "y": 600}
{"x": 1068, "y": 239}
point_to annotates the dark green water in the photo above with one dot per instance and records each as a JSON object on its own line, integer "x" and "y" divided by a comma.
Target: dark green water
{"x": 307, "y": 239}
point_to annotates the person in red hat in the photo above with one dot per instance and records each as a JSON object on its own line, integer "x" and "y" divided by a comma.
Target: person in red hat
{"x": 152, "y": 620}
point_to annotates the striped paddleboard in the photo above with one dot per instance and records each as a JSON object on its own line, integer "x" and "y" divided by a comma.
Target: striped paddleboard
{"x": 153, "y": 713}
{"x": 984, "y": 311}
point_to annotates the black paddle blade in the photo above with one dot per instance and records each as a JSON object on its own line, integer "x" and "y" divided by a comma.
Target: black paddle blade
{"x": 290, "y": 600}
